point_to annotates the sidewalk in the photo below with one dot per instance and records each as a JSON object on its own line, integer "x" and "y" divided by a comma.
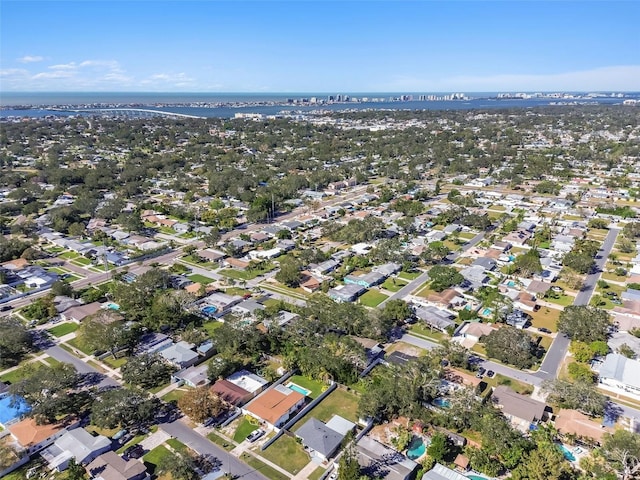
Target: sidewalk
{"x": 307, "y": 471}
{"x": 155, "y": 439}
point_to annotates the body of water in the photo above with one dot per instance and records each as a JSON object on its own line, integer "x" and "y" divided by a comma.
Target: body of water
{"x": 227, "y": 105}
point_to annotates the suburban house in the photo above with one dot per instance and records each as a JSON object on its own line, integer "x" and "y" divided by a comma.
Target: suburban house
{"x": 372, "y": 454}
{"x": 572, "y": 422}
{"x": 239, "y": 387}
{"x": 325, "y": 267}
{"x": 79, "y": 313}
{"x": 192, "y": 376}
{"x": 33, "y": 437}
{"x": 322, "y": 440}
{"x": 365, "y": 280}
{"x": 434, "y": 317}
{"x": 247, "y": 308}
{"x": 111, "y": 466}
{"x": 275, "y": 406}
{"x": 517, "y": 318}
{"x": 521, "y": 410}
{"x": 475, "y": 276}
{"x": 473, "y": 332}
{"x": 620, "y": 374}
{"x": 78, "y": 444}
{"x": 448, "y": 298}
{"x": 180, "y": 354}
{"x": 440, "y": 472}
{"x": 346, "y": 293}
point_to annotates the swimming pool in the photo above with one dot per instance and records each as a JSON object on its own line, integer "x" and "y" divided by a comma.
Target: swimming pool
{"x": 476, "y": 477}
{"x": 416, "y": 448}
{"x": 209, "y": 310}
{"x": 297, "y": 388}
{"x": 486, "y": 311}
{"x": 113, "y": 306}
{"x": 441, "y": 402}
{"x": 511, "y": 283}
{"x": 568, "y": 454}
{"x": 9, "y": 412}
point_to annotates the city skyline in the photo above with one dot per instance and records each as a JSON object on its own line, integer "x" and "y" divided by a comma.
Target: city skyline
{"x": 328, "y": 46}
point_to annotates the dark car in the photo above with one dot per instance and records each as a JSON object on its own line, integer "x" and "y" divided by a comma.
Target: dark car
{"x": 5, "y": 308}
{"x": 481, "y": 372}
{"x": 491, "y": 374}
{"x": 134, "y": 451}
{"x": 544, "y": 330}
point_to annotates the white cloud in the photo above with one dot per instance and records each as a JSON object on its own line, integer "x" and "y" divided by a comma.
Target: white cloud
{"x": 620, "y": 78}
{"x": 64, "y": 66}
{"x": 31, "y": 59}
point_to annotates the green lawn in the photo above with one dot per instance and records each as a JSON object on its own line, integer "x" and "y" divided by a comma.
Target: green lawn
{"x": 291, "y": 292}
{"x": 393, "y": 284}
{"x": 211, "y": 326}
{"x": 262, "y": 467}
{"x": 287, "y": 453}
{"x": 174, "y": 395}
{"x": 314, "y": 386}
{"x": 409, "y": 275}
{"x": 564, "y": 300}
{"x": 19, "y": 373}
{"x": 77, "y": 343}
{"x": 81, "y": 260}
{"x": 115, "y": 362}
{"x": 197, "y": 278}
{"x": 545, "y": 317}
{"x": 245, "y": 427}
{"x": 425, "y": 291}
{"x": 218, "y": 440}
{"x": 63, "y": 329}
{"x": 68, "y": 255}
{"x": 317, "y": 473}
{"x": 177, "y": 445}
{"x": 339, "y": 402}
{"x": 424, "y": 331}
{"x": 152, "y": 459}
{"x": 72, "y": 278}
{"x": 246, "y": 274}
{"x": 372, "y": 298}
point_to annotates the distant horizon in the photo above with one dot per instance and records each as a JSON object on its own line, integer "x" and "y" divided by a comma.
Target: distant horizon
{"x": 311, "y": 92}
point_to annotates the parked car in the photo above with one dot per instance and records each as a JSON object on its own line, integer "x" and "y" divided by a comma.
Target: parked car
{"x": 134, "y": 451}
{"x": 481, "y": 372}
{"x": 544, "y": 330}
{"x": 255, "y": 435}
{"x": 491, "y": 374}
{"x": 5, "y": 308}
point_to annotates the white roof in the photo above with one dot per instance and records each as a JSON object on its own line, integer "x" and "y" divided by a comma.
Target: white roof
{"x": 440, "y": 472}
{"x": 247, "y": 381}
{"x": 622, "y": 369}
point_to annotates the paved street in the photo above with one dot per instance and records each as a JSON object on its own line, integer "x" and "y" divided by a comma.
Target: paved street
{"x": 62, "y": 355}
{"x": 202, "y": 445}
{"x": 556, "y": 353}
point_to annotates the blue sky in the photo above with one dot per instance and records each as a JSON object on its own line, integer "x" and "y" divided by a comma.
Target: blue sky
{"x": 328, "y": 46}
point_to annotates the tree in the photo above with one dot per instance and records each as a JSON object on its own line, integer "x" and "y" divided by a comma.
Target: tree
{"x": 61, "y": 288}
{"x": 75, "y": 471}
{"x": 147, "y": 370}
{"x": 528, "y": 263}
{"x": 15, "y": 341}
{"x": 51, "y": 391}
{"x": 440, "y": 447}
{"x": 289, "y": 273}
{"x": 443, "y": 277}
{"x": 584, "y": 323}
{"x": 123, "y": 407}
{"x": 581, "y": 372}
{"x": 581, "y": 396}
{"x": 395, "y": 312}
{"x": 105, "y": 331}
{"x": 512, "y": 346}
{"x": 622, "y": 452}
{"x": 179, "y": 465}
{"x": 200, "y": 404}
{"x": 348, "y": 467}
{"x": 545, "y": 462}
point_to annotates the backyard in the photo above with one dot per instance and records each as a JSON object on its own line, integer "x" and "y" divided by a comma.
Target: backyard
{"x": 315, "y": 387}
{"x": 339, "y": 402}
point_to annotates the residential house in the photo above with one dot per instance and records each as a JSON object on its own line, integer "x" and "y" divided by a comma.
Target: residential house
{"x": 518, "y": 237}
{"x": 448, "y": 298}
{"x": 346, "y": 293}
{"x": 192, "y": 376}
{"x": 275, "y": 406}
{"x": 265, "y": 254}
{"x": 247, "y": 308}
{"x": 375, "y": 458}
{"x": 77, "y": 444}
{"x": 231, "y": 393}
{"x": 221, "y": 302}
{"x": 517, "y": 318}
{"x": 322, "y": 440}
{"x": 79, "y": 313}
{"x": 474, "y": 331}
{"x": 387, "y": 269}
{"x": 475, "y": 276}
{"x": 180, "y": 354}
{"x": 523, "y": 411}
{"x": 250, "y": 382}
{"x": 373, "y": 349}
{"x": 525, "y": 301}
{"x": 489, "y": 264}
{"x": 111, "y": 466}
{"x": 434, "y": 317}
{"x": 620, "y": 374}
{"x": 237, "y": 263}
{"x": 324, "y": 267}
{"x": 367, "y": 280}
{"x": 572, "y": 422}
{"x": 440, "y": 472}
{"x": 308, "y": 282}
{"x": 33, "y": 437}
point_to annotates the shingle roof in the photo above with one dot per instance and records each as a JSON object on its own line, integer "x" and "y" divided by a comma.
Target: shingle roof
{"x": 317, "y": 436}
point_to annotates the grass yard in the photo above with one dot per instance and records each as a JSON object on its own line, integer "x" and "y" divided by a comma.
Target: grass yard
{"x": 19, "y": 373}
{"x": 613, "y": 277}
{"x": 245, "y": 427}
{"x": 423, "y": 331}
{"x": 287, "y": 453}
{"x": 79, "y": 344}
{"x": 393, "y": 284}
{"x": 314, "y": 386}
{"x": 68, "y": 255}
{"x": 246, "y": 274}
{"x": 339, "y": 402}
{"x": 297, "y": 293}
{"x": 115, "y": 362}
{"x": 152, "y": 459}
{"x": 72, "y": 278}
{"x": 262, "y": 467}
{"x": 197, "y": 278}
{"x": 409, "y": 275}
{"x": 63, "y": 329}
{"x": 563, "y": 300}
{"x": 81, "y": 261}
{"x": 236, "y": 291}
{"x": 467, "y": 235}
{"x": 177, "y": 445}
{"x": 221, "y": 442}
{"x": 426, "y": 291}
{"x": 545, "y": 317}
{"x": 175, "y": 395}
{"x": 211, "y": 326}
{"x": 372, "y": 298}
{"x": 52, "y": 362}
{"x": 317, "y": 473}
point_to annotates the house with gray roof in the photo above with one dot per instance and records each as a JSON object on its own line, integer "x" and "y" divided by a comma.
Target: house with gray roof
{"x": 382, "y": 462}
{"x": 388, "y": 269}
{"x": 319, "y": 439}
{"x": 620, "y": 374}
{"x": 475, "y": 276}
{"x": 486, "y": 263}
{"x": 180, "y": 354}
{"x": 111, "y": 466}
{"x": 346, "y": 293}
{"x": 440, "y": 472}
{"x": 435, "y": 317}
{"x": 521, "y": 410}
{"x": 366, "y": 280}
{"x": 78, "y": 444}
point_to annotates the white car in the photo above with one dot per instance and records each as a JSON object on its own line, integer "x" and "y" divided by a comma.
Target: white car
{"x": 255, "y": 435}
